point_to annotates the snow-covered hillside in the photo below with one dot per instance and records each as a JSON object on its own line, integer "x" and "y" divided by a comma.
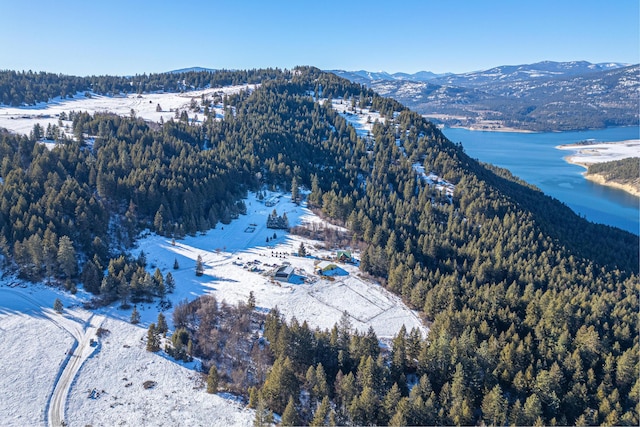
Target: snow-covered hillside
{"x": 22, "y": 119}
{"x": 83, "y": 379}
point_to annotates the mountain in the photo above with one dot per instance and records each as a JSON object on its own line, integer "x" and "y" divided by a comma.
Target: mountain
{"x": 365, "y": 77}
{"x": 192, "y": 70}
{"x": 546, "y": 96}
{"x": 526, "y": 72}
{"x": 531, "y": 309}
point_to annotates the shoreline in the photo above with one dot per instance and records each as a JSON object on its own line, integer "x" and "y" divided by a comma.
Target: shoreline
{"x": 588, "y": 153}
{"x": 601, "y": 180}
{"x": 500, "y": 129}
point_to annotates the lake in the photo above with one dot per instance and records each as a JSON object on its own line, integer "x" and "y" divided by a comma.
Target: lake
{"x": 534, "y": 158}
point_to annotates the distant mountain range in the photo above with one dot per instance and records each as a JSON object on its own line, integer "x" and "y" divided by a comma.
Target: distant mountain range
{"x": 192, "y": 70}
{"x": 545, "y": 96}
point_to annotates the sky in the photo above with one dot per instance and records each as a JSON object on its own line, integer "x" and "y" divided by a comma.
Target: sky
{"x": 126, "y": 37}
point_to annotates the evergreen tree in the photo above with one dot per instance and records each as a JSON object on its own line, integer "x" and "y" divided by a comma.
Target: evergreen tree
{"x": 91, "y": 277}
{"x": 280, "y": 384}
{"x": 264, "y": 417}
{"x": 158, "y": 284}
{"x": 199, "y": 266}
{"x": 175, "y": 264}
{"x": 135, "y": 316}
{"x": 320, "y": 417}
{"x": 251, "y": 301}
{"x": 162, "y": 328}
{"x": 391, "y": 400}
{"x": 170, "y": 282}
{"x": 212, "y": 380}
{"x": 67, "y": 257}
{"x": 153, "y": 339}
{"x": 290, "y": 415}
{"x": 142, "y": 259}
{"x": 494, "y": 407}
{"x": 302, "y": 251}
{"x": 57, "y": 305}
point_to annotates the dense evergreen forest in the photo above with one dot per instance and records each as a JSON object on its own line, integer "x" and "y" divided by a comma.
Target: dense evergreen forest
{"x": 533, "y": 311}
{"x": 29, "y": 88}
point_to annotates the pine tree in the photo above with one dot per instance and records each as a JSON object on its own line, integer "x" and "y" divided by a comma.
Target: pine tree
{"x": 142, "y": 259}
{"x": 199, "y": 266}
{"x": 175, "y": 264}
{"x": 91, "y": 277}
{"x": 290, "y": 414}
{"x": 153, "y": 340}
{"x": 494, "y": 407}
{"x": 321, "y": 414}
{"x": 135, "y": 316}
{"x": 391, "y": 400}
{"x": 212, "y": 380}
{"x": 170, "y": 282}
{"x": 280, "y": 384}
{"x": 251, "y": 301}
{"x": 67, "y": 257}
{"x": 264, "y": 417}
{"x": 302, "y": 251}
{"x": 162, "y": 327}
{"x": 158, "y": 284}
{"x": 57, "y": 306}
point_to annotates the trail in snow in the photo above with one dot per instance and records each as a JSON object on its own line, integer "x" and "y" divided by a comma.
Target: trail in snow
{"x": 82, "y": 332}
{"x": 80, "y": 353}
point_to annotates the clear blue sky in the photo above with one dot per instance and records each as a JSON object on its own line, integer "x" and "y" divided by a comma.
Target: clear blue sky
{"x": 124, "y": 37}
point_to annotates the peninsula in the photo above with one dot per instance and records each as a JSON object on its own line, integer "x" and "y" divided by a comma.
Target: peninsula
{"x": 615, "y": 164}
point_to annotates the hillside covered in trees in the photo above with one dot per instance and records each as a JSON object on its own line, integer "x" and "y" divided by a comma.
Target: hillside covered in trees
{"x": 625, "y": 173}
{"x": 532, "y": 309}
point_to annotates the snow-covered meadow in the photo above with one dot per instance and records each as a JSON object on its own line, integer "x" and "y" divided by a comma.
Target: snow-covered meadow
{"x": 587, "y": 154}
{"x": 22, "y": 119}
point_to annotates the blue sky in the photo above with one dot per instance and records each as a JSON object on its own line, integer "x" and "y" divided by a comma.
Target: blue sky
{"x": 138, "y": 36}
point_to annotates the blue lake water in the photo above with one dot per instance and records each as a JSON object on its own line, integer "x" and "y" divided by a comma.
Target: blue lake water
{"x": 534, "y": 158}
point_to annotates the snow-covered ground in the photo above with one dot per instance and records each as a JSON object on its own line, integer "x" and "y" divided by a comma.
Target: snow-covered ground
{"x": 22, "y": 119}
{"x": 33, "y": 346}
{"x": 230, "y": 252}
{"x": 587, "y": 154}
{"x": 361, "y": 119}
{"x": 52, "y": 372}
{"x": 110, "y": 390}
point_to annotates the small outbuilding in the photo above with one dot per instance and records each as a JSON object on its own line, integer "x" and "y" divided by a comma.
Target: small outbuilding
{"x": 284, "y": 273}
{"x": 325, "y": 266}
{"x": 344, "y": 256}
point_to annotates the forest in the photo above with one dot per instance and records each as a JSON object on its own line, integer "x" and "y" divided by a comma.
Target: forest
{"x": 532, "y": 310}
{"x": 625, "y": 171}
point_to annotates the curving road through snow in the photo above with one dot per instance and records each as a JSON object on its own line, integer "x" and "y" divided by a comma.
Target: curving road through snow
{"x": 82, "y": 332}
{"x": 80, "y": 353}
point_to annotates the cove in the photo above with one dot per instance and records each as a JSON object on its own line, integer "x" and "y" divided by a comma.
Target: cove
{"x": 534, "y": 158}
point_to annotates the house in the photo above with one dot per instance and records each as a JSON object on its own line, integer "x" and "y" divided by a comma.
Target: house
{"x": 344, "y": 256}
{"x": 325, "y": 266}
{"x": 284, "y": 273}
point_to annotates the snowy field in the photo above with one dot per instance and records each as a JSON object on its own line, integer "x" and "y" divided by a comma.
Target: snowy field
{"x": 53, "y": 371}
{"x": 110, "y": 389}
{"x": 601, "y": 152}
{"x": 22, "y": 119}
{"x": 231, "y": 251}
